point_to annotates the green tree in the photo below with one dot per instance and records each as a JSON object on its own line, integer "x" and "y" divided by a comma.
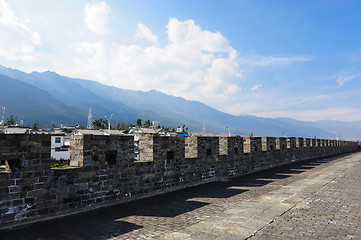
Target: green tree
{"x": 100, "y": 124}
{"x": 11, "y": 120}
{"x": 147, "y": 123}
{"x": 36, "y": 126}
{"x": 184, "y": 128}
{"x": 52, "y": 128}
{"x": 139, "y": 122}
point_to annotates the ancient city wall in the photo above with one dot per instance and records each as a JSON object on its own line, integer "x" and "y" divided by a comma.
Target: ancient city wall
{"x": 104, "y": 171}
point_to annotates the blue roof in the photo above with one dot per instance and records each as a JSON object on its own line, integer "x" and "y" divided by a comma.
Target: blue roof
{"x": 183, "y": 134}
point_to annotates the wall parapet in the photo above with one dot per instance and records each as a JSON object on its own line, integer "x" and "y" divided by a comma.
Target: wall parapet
{"x": 103, "y": 169}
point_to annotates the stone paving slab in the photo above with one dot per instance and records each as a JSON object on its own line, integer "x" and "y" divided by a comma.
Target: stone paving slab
{"x": 331, "y": 212}
{"x": 270, "y": 219}
{"x": 316, "y": 199}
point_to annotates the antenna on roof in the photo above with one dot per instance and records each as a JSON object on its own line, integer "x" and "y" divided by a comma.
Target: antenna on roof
{"x": 90, "y": 120}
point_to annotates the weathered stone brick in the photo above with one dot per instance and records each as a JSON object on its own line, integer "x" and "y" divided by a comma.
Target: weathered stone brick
{"x": 14, "y": 189}
{"x": 170, "y": 162}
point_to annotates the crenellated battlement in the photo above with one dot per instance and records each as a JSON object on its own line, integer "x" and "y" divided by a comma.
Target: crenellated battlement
{"x": 104, "y": 169}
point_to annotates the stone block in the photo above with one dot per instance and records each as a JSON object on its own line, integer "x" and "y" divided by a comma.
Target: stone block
{"x": 169, "y": 162}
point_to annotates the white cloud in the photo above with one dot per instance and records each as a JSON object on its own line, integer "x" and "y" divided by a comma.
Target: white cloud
{"x": 341, "y": 80}
{"x": 191, "y": 36}
{"x": 255, "y": 87}
{"x": 195, "y": 64}
{"x": 44, "y": 21}
{"x": 265, "y": 61}
{"x": 143, "y": 32}
{"x": 17, "y": 40}
{"x": 93, "y": 58}
{"x": 96, "y": 17}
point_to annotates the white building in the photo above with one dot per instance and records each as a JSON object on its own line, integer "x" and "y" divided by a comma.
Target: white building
{"x": 97, "y": 132}
{"x": 60, "y": 147}
{"x": 16, "y": 130}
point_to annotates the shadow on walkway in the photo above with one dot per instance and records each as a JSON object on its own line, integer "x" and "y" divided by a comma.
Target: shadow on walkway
{"x": 106, "y": 222}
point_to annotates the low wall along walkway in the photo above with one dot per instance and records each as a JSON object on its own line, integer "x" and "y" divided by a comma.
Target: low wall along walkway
{"x": 104, "y": 170}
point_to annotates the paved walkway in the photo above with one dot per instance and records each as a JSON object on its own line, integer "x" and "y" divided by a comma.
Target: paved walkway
{"x": 317, "y": 199}
{"x": 331, "y": 211}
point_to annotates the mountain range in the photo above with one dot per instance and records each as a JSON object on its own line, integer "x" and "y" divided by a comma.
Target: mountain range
{"x": 49, "y": 98}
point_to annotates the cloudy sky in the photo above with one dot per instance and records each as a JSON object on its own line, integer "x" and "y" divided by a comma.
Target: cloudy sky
{"x": 298, "y": 59}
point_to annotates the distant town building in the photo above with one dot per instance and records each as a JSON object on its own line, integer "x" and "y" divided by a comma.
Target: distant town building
{"x": 137, "y": 132}
{"x": 97, "y": 132}
{"x": 60, "y": 147}
{"x": 155, "y": 124}
{"x": 16, "y": 130}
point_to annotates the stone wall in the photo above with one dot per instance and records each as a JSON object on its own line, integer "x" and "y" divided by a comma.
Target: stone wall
{"x": 103, "y": 169}
{"x": 25, "y": 183}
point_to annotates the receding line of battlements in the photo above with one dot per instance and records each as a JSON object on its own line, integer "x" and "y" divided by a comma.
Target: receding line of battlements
{"x": 108, "y": 170}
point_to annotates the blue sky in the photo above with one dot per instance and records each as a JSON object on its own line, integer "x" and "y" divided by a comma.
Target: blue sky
{"x": 298, "y": 59}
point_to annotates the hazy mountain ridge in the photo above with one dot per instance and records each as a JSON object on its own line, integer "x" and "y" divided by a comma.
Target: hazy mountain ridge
{"x": 345, "y": 130}
{"x": 67, "y": 100}
{"x": 198, "y": 111}
{"x": 32, "y": 104}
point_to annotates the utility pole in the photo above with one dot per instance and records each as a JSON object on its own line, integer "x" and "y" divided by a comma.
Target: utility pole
{"x": 229, "y": 131}
{"x": 108, "y": 119}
